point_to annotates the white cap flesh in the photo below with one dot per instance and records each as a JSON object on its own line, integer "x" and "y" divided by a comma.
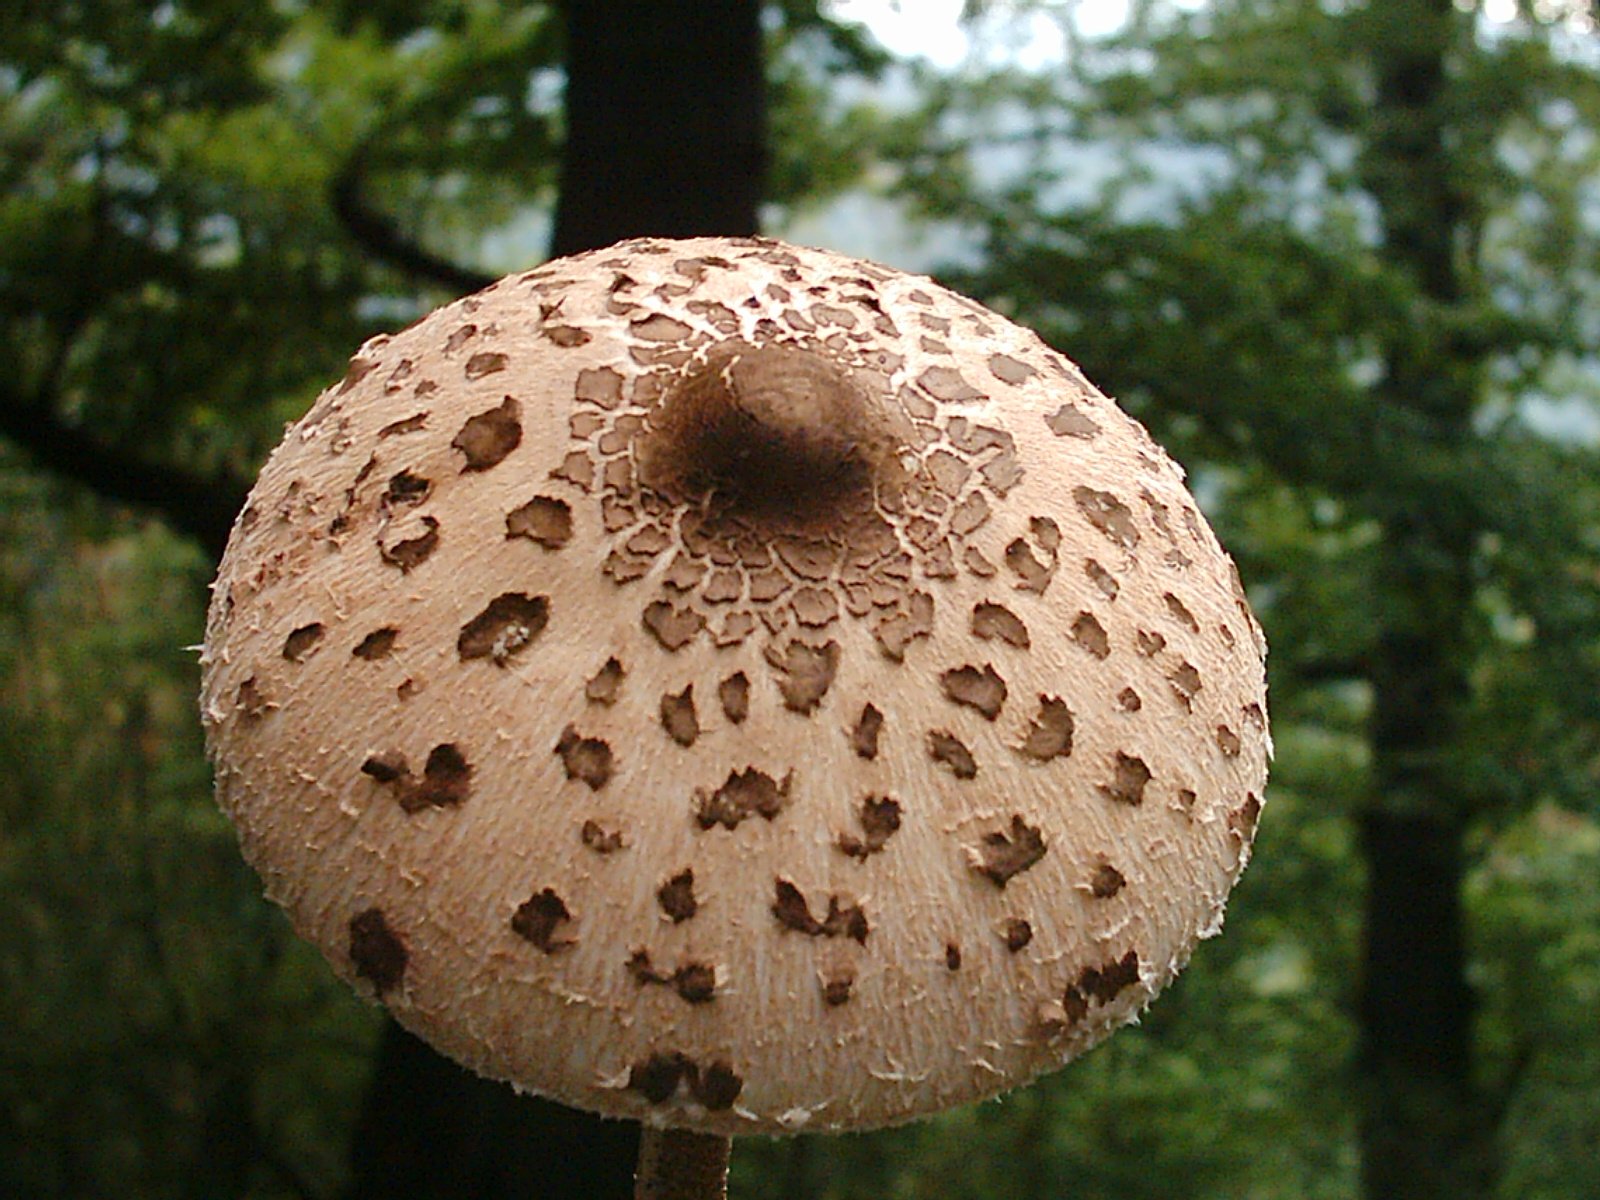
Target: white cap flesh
{"x": 737, "y": 687}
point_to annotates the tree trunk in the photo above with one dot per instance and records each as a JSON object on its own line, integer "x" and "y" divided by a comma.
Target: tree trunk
{"x": 665, "y": 137}
{"x": 431, "y": 1129}
{"x": 665, "y": 121}
{"x": 1423, "y": 1132}
{"x": 1423, "y": 1129}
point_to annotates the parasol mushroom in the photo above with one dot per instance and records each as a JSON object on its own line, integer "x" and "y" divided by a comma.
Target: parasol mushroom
{"x": 735, "y": 687}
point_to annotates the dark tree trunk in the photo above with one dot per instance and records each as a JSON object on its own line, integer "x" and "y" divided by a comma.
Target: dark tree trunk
{"x": 431, "y": 1129}
{"x": 1424, "y": 1131}
{"x": 665, "y": 121}
{"x": 666, "y": 124}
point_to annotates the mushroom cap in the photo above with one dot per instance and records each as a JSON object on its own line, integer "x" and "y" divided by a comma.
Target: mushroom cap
{"x": 737, "y": 687}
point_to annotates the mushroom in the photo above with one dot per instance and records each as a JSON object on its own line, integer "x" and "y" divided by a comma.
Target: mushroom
{"x": 736, "y": 687}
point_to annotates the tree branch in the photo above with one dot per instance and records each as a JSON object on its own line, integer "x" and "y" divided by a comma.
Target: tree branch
{"x": 200, "y": 506}
{"x": 380, "y": 237}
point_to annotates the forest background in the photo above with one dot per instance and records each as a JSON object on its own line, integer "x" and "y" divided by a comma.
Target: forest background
{"x": 1340, "y": 257}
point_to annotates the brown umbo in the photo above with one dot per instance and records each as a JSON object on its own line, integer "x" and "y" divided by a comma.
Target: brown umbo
{"x": 738, "y": 687}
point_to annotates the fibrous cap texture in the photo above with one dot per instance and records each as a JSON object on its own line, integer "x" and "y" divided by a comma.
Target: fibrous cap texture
{"x": 738, "y": 687}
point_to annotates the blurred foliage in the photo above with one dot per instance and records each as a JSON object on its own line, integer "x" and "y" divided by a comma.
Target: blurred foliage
{"x": 1182, "y": 210}
{"x": 164, "y": 1036}
{"x": 1536, "y": 897}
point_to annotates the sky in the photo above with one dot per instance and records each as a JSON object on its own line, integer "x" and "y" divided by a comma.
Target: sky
{"x": 930, "y": 28}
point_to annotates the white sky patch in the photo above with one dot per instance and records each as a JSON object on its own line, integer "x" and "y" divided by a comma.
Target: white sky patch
{"x": 909, "y": 28}
{"x": 1574, "y": 16}
{"x": 1096, "y": 17}
{"x": 932, "y": 30}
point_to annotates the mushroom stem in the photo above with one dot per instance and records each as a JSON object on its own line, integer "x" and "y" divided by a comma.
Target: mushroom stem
{"x": 679, "y": 1164}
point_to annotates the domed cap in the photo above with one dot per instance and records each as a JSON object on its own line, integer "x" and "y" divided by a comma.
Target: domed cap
{"x": 737, "y": 687}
